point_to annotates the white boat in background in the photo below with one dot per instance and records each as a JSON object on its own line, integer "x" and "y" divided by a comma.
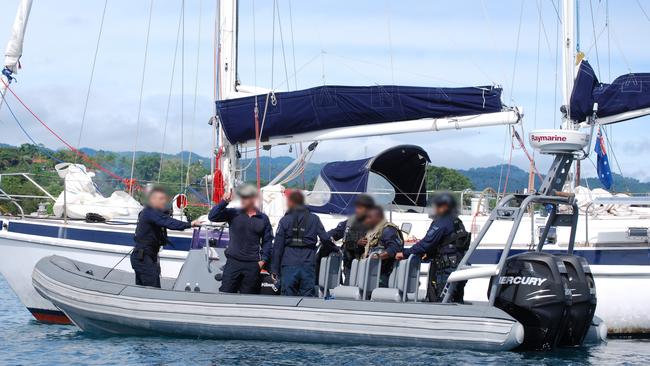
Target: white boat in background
{"x": 612, "y": 232}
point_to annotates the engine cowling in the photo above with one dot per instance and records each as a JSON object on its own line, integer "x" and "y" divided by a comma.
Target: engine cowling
{"x": 583, "y": 298}
{"x": 534, "y": 289}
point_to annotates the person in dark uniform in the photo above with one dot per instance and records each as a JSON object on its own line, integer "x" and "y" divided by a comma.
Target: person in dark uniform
{"x": 353, "y": 234}
{"x": 384, "y": 239}
{"x": 444, "y": 244}
{"x": 151, "y": 235}
{"x": 294, "y": 248}
{"x": 251, "y": 240}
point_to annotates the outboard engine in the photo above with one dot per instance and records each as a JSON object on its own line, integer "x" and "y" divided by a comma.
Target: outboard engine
{"x": 583, "y": 292}
{"x": 534, "y": 290}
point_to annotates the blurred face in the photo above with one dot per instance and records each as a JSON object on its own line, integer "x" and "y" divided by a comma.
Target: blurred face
{"x": 290, "y": 204}
{"x": 440, "y": 210}
{"x": 249, "y": 203}
{"x": 158, "y": 200}
{"x": 372, "y": 219}
{"x": 360, "y": 211}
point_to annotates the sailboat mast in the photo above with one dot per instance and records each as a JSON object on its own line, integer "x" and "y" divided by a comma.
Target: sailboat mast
{"x": 227, "y": 80}
{"x": 15, "y": 46}
{"x": 568, "y": 57}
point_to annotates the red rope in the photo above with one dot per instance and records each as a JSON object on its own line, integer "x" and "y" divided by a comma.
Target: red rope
{"x": 218, "y": 189}
{"x": 79, "y": 153}
{"x": 257, "y": 146}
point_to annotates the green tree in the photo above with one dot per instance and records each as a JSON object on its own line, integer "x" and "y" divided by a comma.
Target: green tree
{"x": 440, "y": 178}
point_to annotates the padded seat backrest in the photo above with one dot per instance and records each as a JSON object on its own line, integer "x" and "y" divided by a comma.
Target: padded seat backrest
{"x": 368, "y": 275}
{"x": 329, "y": 274}
{"x": 411, "y": 278}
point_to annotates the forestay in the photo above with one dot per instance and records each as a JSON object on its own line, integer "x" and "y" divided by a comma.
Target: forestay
{"x": 329, "y": 107}
{"x": 627, "y": 93}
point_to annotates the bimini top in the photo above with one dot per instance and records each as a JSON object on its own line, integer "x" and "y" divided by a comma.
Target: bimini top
{"x": 328, "y": 107}
{"x": 626, "y": 93}
{"x": 395, "y": 176}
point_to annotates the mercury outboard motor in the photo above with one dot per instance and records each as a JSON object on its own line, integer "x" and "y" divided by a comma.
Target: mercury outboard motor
{"x": 534, "y": 290}
{"x": 583, "y": 293}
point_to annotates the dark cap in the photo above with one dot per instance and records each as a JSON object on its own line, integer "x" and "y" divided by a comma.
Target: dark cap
{"x": 445, "y": 199}
{"x": 364, "y": 200}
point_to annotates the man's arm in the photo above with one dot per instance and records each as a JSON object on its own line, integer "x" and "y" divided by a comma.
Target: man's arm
{"x": 267, "y": 240}
{"x": 339, "y": 231}
{"x": 165, "y": 221}
{"x": 392, "y": 242}
{"x": 433, "y": 237}
{"x": 278, "y": 248}
{"x": 220, "y": 212}
{"x": 326, "y": 239}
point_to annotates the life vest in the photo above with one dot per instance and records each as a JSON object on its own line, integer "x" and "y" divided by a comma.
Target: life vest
{"x": 449, "y": 253}
{"x": 354, "y": 231}
{"x": 374, "y": 237}
{"x": 298, "y": 228}
{"x": 459, "y": 239}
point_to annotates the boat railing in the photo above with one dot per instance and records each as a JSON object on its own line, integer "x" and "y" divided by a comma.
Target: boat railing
{"x": 622, "y": 201}
{"x": 15, "y": 198}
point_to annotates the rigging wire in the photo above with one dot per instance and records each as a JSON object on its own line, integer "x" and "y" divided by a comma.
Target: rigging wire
{"x": 144, "y": 71}
{"x": 92, "y": 73}
{"x": 169, "y": 97}
{"x": 593, "y": 28}
{"x": 38, "y": 146}
{"x": 390, "y": 41}
{"x": 78, "y": 152}
{"x": 284, "y": 57}
{"x": 182, "y": 91}
{"x": 293, "y": 50}
{"x": 196, "y": 91}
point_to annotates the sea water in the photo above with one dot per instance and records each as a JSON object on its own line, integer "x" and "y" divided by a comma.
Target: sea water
{"x": 24, "y": 341}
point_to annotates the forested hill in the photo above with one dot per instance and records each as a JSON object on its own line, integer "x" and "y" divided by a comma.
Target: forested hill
{"x": 40, "y": 162}
{"x": 482, "y": 178}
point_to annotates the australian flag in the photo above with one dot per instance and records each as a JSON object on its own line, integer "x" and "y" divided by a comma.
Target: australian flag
{"x": 602, "y": 166}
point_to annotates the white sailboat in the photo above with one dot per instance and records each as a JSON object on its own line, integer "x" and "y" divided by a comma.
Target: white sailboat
{"x": 619, "y": 260}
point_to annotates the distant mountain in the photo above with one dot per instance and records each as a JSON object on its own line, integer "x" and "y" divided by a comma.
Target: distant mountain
{"x": 482, "y": 178}
{"x": 439, "y": 178}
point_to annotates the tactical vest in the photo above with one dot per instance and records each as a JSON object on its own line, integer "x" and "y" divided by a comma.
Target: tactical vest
{"x": 298, "y": 228}
{"x": 449, "y": 253}
{"x": 354, "y": 231}
{"x": 374, "y": 240}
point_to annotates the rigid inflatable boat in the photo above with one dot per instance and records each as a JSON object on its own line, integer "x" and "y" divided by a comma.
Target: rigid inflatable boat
{"x": 537, "y": 300}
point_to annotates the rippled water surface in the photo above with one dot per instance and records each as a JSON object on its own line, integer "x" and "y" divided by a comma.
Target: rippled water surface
{"x": 26, "y": 342}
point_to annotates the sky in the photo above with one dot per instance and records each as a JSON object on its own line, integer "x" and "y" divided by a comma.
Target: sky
{"x": 426, "y": 43}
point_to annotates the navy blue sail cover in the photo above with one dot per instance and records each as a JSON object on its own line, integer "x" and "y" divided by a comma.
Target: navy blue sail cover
{"x": 403, "y": 167}
{"x": 626, "y": 93}
{"x": 326, "y": 107}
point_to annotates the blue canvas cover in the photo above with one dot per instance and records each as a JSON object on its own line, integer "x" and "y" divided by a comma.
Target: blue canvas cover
{"x": 404, "y": 167}
{"x": 326, "y": 107}
{"x": 343, "y": 176}
{"x": 626, "y": 93}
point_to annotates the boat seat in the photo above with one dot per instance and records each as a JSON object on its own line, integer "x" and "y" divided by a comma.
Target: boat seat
{"x": 364, "y": 278}
{"x": 403, "y": 282}
{"x": 329, "y": 274}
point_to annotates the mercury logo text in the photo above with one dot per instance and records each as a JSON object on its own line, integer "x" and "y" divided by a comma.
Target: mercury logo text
{"x": 522, "y": 280}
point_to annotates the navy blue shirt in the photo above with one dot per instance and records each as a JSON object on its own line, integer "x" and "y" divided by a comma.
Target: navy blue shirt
{"x": 286, "y": 255}
{"x": 437, "y": 233}
{"x": 339, "y": 231}
{"x": 391, "y": 243}
{"x": 251, "y": 237}
{"x": 151, "y": 229}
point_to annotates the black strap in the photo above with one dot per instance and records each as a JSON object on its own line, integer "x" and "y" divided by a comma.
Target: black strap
{"x": 298, "y": 230}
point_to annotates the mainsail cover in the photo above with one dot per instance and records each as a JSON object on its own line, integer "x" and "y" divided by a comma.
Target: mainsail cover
{"x": 626, "y": 93}
{"x": 327, "y": 107}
